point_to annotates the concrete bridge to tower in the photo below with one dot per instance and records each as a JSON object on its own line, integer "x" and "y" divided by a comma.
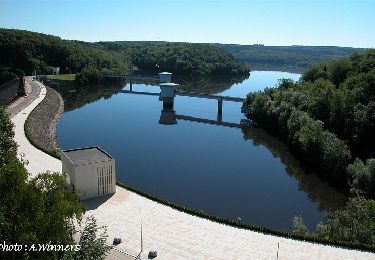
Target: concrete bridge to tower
{"x": 175, "y": 92}
{"x": 131, "y": 77}
{"x": 162, "y": 77}
{"x": 169, "y": 117}
{"x": 168, "y": 91}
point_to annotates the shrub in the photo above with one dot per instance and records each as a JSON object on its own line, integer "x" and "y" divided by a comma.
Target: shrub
{"x": 363, "y": 177}
{"x": 88, "y": 74}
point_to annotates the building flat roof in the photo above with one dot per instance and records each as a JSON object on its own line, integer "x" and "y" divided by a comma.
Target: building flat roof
{"x": 87, "y": 155}
{"x": 168, "y": 84}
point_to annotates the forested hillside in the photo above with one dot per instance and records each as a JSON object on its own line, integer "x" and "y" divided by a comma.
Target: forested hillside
{"x": 180, "y": 58}
{"x": 290, "y": 57}
{"x": 29, "y": 51}
{"x": 259, "y": 57}
{"x": 328, "y": 118}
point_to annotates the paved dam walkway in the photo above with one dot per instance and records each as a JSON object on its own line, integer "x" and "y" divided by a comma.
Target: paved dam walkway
{"x": 38, "y": 161}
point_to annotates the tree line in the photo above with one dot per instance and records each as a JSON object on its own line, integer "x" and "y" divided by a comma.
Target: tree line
{"x": 181, "y": 58}
{"x": 354, "y": 223}
{"x": 294, "y": 57}
{"x": 37, "y": 52}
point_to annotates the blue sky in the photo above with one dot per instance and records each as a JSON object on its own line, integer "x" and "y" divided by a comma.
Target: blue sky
{"x": 291, "y": 22}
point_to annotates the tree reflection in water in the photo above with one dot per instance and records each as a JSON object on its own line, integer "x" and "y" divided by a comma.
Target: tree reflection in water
{"x": 318, "y": 190}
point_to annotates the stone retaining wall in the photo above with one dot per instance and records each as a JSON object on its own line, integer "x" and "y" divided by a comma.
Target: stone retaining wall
{"x": 40, "y": 127}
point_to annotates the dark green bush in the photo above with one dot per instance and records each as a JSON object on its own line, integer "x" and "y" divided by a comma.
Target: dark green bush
{"x": 88, "y": 74}
{"x": 6, "y": 76}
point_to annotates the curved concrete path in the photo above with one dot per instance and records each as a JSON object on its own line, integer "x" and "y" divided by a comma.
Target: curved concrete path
{"x": 38, "y": 161}
{"x": 173, "y": 234}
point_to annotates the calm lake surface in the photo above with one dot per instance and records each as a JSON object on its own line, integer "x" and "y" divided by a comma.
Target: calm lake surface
{"x": 226, "y": 171}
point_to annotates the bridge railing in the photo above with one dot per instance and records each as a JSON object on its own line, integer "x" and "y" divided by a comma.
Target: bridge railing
{"x": 125, "y": 76}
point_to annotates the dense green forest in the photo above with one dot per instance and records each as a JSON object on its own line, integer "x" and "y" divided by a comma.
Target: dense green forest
{"x": 290, "y": 58}
{"x": 294, "y": 58}
{"x": 36, "y": 52}
{"x": 31, "y": 52}
{"x": 180, "y": 58}
{"x": 328, "y": 118}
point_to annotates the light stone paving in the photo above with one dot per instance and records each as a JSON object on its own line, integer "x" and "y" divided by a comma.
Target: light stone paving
{"x": 38, "y": 161}
{"x": 176, "y": 235}
{"x": 173, "y": 234}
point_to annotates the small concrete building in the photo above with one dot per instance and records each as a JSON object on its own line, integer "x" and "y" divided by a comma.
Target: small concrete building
{"x": 55, "y": 70}
{"x": 167, "y": 91}
{"x": 90, "y": 171}
{"x": 167, "y": 94}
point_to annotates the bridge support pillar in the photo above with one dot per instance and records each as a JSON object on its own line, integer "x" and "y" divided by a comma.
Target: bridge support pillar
{"x": 219, "y": 118}
{"x": 219, "y": 106}
{"x": 168, "y": 104}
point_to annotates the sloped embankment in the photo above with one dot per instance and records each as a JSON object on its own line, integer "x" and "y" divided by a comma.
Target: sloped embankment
{"x": 40, "y": 126}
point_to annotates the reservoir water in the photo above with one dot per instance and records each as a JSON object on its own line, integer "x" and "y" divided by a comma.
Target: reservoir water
{"x": 176, "y": 155}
